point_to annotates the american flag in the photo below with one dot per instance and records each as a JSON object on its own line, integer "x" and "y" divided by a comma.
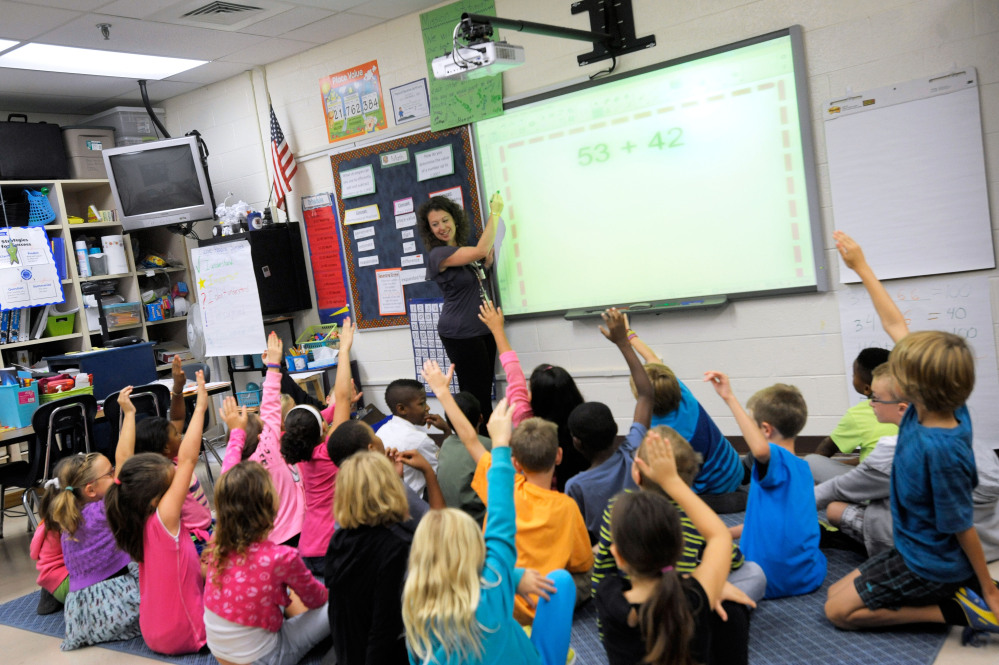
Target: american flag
{"x": 284, "y": 162}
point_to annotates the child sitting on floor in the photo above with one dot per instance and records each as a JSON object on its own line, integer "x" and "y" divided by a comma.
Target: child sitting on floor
{"x": 456, "y": 468}
{"x": 936, "y": 572}
{"x": 459, "y": 592}
{"x": 406, "y": 430}
{"x": 261, "y": 603}
{"x": 657, "y": 615}
{"x": 144, "y": 506}
{"x": 745, "y": 575}
{"x": 46, "y": 551}
{"x": 781, "y": 530}
{"x": 551, "y": 533}
{"x": 594, "y": 433}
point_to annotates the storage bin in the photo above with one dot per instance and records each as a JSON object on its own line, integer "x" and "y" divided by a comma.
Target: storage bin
{"x": 60, "y": 324}
{"x": 128, "y": 121}
{"x": 84, "y": 146}
{"x": 17, "y": 404}
{"x": 317, "y": 336}
{"x": 123, "y": 314}
{"x": 249, "y": 398}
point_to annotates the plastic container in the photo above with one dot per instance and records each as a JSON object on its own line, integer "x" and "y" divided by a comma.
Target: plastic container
{"x": 17, "y": 404}
{"x": 317, "y": 336}
{"x": 123, "y": 314}
{"x": 60, "y": 323}
{"x": 296, "y": 363}
{"x": 249, "y": 398}
{"x": 82, "y": 258}
{"x": 132, "y": 122}
{"x": 51, "y": 397}
{"x": 83, "y": 150}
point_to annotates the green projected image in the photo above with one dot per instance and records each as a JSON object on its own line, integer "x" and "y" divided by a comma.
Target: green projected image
{"x": 680, "y": 182}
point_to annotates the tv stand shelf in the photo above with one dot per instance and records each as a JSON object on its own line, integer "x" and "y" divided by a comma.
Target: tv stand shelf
{"x": 73, "y": 197}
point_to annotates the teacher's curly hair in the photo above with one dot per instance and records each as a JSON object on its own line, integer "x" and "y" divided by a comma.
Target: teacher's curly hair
{"x": 443, "y": 204}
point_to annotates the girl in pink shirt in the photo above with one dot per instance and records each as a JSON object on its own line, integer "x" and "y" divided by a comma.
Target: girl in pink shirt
{"x": 291, "y": 503}
{"x": 304, "y": 443}
{"x": 144, "y": 509}
{"x": 262, "y": 605}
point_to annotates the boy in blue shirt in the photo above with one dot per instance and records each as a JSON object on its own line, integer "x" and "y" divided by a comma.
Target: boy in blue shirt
{"x": 781, "y": 530}
{"x": 936, "y": 573}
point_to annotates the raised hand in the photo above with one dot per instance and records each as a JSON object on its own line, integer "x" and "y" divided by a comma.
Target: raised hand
{"x": 438, "y": 381}
{"x": 233, "y": 415}
{"x": 125, "y": 401}
{"x": 496, "y": 204}
{"x": 347, "y": 334}
{"x": 848, "y": 248}
{"x": 491, "y": 316}
{"x": 275, "y": 348}
{"x": 660, "y": 464}
{"x": 500, "y": 424}
{"x": 202, "y": 401}
{"x": 617, "y": 326}
{"x": 720, "y": 383}
{"x": 177, "y": 374}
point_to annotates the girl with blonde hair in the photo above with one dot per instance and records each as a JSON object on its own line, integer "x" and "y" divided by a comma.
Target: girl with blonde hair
{"x": 366, "y": 561}
{"x": 457, "y": 603}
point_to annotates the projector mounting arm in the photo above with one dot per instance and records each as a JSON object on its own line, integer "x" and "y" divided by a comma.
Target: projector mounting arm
{"x": 612, "y": 34}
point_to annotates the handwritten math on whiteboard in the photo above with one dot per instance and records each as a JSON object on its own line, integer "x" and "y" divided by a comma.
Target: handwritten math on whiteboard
{"x": 959, "y": 304}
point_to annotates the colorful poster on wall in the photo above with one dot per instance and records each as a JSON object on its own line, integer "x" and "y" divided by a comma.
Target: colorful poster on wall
{"x": 324, "y": 254}
{"x": 28, "y": 272}
{"x": 454, "y": 103}
{"x": 352, "y": 101}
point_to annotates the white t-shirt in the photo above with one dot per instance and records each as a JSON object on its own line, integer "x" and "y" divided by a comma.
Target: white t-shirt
{"x": 401, "y": 434}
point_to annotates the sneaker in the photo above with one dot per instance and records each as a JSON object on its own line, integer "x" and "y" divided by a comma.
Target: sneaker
{"x": 980, "y": 617}
{"x": 47, "y": 603}
{"x": 570, "y": 658}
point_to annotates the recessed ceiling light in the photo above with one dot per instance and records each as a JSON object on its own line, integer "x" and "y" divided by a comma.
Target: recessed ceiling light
{"x": 6, "y": 44}
{"x": 69, "y": 60}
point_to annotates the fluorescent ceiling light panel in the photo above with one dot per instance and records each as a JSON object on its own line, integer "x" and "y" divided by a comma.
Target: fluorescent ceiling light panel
{"x": 6, "y": 44}
{"x": 70, "y": 60}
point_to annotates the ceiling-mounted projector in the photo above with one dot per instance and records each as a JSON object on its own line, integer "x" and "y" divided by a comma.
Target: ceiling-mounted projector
{"x": 478, "y": 60}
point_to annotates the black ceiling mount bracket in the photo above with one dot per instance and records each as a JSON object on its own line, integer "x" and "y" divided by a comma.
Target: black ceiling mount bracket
{"x": 617, "y": 18}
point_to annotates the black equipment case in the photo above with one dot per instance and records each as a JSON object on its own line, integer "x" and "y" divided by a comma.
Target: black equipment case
{"x": 31, "y": 150}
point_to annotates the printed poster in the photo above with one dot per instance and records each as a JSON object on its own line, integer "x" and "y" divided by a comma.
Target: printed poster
{"x": 28, "y": 273}
{"x": 454, "y": 103}
{"x": 324, "y": 254}
{"x": 352, "y": 102}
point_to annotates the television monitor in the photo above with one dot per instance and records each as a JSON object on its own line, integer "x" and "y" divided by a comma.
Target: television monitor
{"x": 159, "y": 183}
{"x": 679, "y": 183}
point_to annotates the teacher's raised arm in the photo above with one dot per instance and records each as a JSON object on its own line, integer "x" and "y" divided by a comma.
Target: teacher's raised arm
{"x": 443, "y": 224}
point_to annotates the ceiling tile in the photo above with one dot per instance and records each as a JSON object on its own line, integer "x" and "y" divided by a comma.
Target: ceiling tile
{"x": 76, "y": 5}
{"x": 28, "y": 103}
{"x": 133, "y": 36}
{"x": 332, "y": 5}
{"x": 270, "y": 51}
{"x": 332, "y": 28}
{"x": 389, "y": 9}
{"x": 276, "y": 26}
{"x": 210, "y": 72}
{"x": 23, "y": 22}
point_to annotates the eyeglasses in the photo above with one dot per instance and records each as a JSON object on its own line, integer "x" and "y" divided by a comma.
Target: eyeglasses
{"x": 874, "y": 400}
{"x": 109, "y": 474}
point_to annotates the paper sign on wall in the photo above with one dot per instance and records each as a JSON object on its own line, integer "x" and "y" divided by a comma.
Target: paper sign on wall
{"x": 228, "y": 299}
{"x": 352, "y": 100}
{"x": 28, "y": 273}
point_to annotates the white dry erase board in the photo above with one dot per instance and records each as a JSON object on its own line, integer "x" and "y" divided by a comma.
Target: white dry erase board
{"x": 960, "y": 304}
{"x": 230, "y": 306}
{"x": 907, "y": 171}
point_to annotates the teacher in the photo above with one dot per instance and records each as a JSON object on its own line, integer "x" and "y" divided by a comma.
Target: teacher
{"x": 459, "y": 271}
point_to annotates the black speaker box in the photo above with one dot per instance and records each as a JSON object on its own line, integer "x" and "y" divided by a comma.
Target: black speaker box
{"x": 278, "y": 266}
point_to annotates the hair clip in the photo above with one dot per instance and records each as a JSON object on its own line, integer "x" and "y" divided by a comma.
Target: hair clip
{"x": 68, "y": 488}
{"x": 667, "y": 569}
{"x": 547, "y": 368}
{"x": 117, "y": 480}
{"x": 52, "y": 483}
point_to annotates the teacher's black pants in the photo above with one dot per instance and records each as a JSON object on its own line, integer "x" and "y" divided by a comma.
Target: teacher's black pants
{"x": 475, "y": 364}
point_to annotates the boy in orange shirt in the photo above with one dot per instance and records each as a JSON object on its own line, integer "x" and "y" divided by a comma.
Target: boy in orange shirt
{"x": 551, "y": 533}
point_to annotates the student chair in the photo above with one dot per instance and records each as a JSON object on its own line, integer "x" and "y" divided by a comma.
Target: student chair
{"x": 62, "y": 427}
{"x": 152, "y": 399}
{"x": 208, "y": 444}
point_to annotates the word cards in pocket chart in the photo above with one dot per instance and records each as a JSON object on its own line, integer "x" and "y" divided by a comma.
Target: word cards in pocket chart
{"x": 423, "y": 316}
{"x": 959, "y": 304}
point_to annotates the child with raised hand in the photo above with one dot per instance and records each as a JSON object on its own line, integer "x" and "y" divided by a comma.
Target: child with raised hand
{"x": 781, "y": 529}
{"x": 936, "y": 572}
{"x": 459, "y": 592}
{"x": 722, "y": 472}
{"x": 291, "y": 503}
{"x": 262, "y": 604}
{"x": 657, "y": 616}
{"x": 144, "y": 506}
{"x": 551, "y": 533}
{"x": 552, "y": 394}
{"x": 102, "y": 599}
{"x": 594, "y": 434}
{"x": 304, "y": 443}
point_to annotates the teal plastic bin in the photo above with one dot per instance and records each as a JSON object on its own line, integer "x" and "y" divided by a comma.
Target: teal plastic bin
{"x": 17, "y": 404}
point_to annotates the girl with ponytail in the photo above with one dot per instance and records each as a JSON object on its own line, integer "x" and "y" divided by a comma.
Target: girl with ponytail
{"x": 304, "y": 443}
{"x": 658, "y": 616}
{"x": 102, "y": 603}
{"x": 144, "y": 508}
